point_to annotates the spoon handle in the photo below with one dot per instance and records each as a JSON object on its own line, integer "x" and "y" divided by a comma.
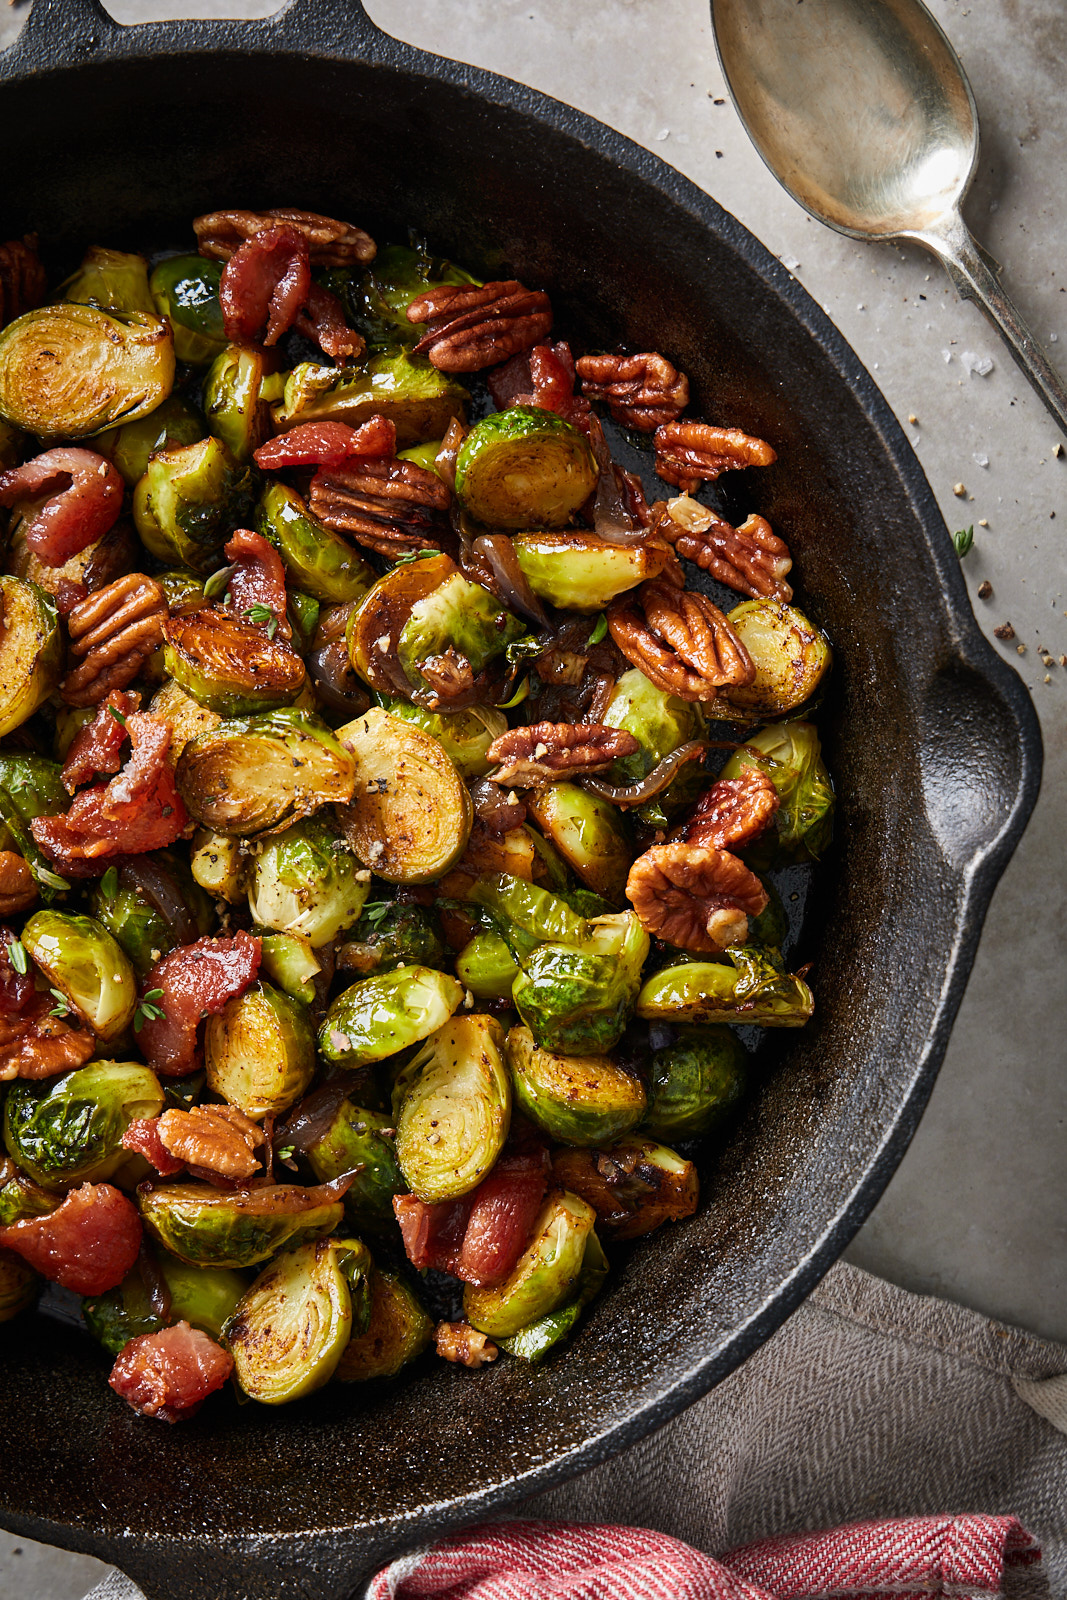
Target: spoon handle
{"x": 963, "y": 261}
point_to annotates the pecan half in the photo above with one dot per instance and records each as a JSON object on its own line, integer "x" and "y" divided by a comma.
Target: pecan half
{"x": 733, "y": 812}
{"x": 689, "y": 453}
{"x": 18, "y": 891}
{"x": 390, "y": 506}
{"x": 112, "y": 632}
{"x": 41, "y": 1045}
{"x": 750, "y": 558}
{"x": 680, "y": 641}
{"x": 330, "y": 243}
{"x": 459, "y": 1342}
{"x": 470, "y": 327}
{"x": 546, "y": 751}
{"x": 694, "y": 897}
{"x": 22, "y": 279}
{"x": 642, "y": 391}
{"x": 216, "y": 1138}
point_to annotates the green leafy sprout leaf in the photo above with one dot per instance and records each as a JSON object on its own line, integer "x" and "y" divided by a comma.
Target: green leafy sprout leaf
{"x": 963, "y": 539}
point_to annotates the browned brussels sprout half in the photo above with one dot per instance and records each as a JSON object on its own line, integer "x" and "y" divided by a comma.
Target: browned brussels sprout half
{"x": 391, "y": 934}
{"x": 360, "y": 1142}
{"x": 546, "y": 1276}
{"x": 30, "y": 786}
{"x": 407, "y": 390}
{"x": 398, "y": 1332}
{"x": 233, "y": 405}
{"x": 465, "y": 736}
{"x": 452, "y": 1104}
{"x": 584, "y": 1100}
{"x": 754, "y": 989}
{"x": 111, "y": 280}
{"x": 84, "y": 965}
{"x": 694, "y": 1083}
{"x": 577, "y": 1001}
{"x": 151, "y": 904}
{"x": 230, "y": 665}
{"x": 790, "y": 654}
{"x": 240, "y": 1227}
{"x": 185, "y": 290}
{"x": 187, "y": 503}
{"x": 374, "y": 630}
{"x": 260, "y": 1051}
{"x": 589, "y": 833}
{"x": 580, "y": 572}
{"x": 205, "y": 1297}
{"x": 69, "y": 1129}
{"x": 306, "y": 881}
{"x": 31, "y": 650}
{"x": 634, "y": 1186}
{"x": 260, "y": 774}
{"x": 317, "y": 560}
{"x": 69, "y": 371}
{"x": 379, "y": 1016}
{"x": 533, "y": 1342}
{"x": 450, "y": 638}
{"x": 172, "y": 424}
{"x": 377, "y": 300}
{"x": 791, "y": 756}
{"x": 525, "y": 468}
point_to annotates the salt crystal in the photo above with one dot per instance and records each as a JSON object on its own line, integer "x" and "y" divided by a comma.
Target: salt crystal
{"x": 947, "y": 354}
{"x": 790, "y": 263}
{"x": 664, "y": 133}
{"x": 981, "y": 365}
{"x": 1053, "y": 338}
{"x": 982, "y": 460}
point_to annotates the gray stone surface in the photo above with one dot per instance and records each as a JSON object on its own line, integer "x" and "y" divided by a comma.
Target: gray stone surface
{"x": 978, "y": 1210}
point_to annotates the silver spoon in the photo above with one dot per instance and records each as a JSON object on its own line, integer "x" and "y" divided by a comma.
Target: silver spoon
{"x": 862, "y": 110}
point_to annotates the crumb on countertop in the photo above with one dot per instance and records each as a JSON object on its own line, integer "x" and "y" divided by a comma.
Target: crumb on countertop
{"x": 1005, "y": 631}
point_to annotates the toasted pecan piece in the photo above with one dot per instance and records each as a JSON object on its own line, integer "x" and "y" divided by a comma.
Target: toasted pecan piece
{"x": 749, "y": 558}
{"x": 733, "y": 812}
{"x": 112, "y": 632}
{"x": 695, "y": 897}
{"x": 389, "y": 506}
{"x": 22, "y": 278}
{"x": 469, "y": 327}
{"x": 331, "y": 243}
{"x": 459, "y": 1342}
{"x": 543, "y": 752}
{"x": 680, "y": 641}
{"x": 214, "y": 1138}
{"x": 689, "y": 453}
{"x": 642, "y": 391}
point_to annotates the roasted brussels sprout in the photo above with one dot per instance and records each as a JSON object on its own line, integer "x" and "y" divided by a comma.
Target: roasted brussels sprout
{"x": 260, "y": 774}
{"x": 580, "y": 572}
{"x": 524, "y": 908}
{"x": 487, "y": 967}
{"x": 410, "y": 816}
{"x": 755, "y": 990}
{"x": 791, "y": 657}
{"x": 355, "y": 1142}
{"x": 291, "y": 1326}
{"x": 259, "y": 1051}
{"x": 589, "y": 834}
{"x": 205, "y": 1297}
{"x": 68, "y": 1130}
{"x": 694, "y": 1083}
{"x": 150, "y": 907}
{"x": 307, "y": 881}
{"x": 111, "y": 280}
{"x": 186, "y": 504}
{"x": 546, "y": 1276}
{"x": 185, "y": 290}
{"x": 452, "y": 1104}
{"x": 457, "y": 629}
{"x": 236, "y": 1228}
{"x": 31, "y": 650}
{"x": 30, "y": 786}
{"x": 374, "y": 627}
{"x": 407, "y": 390}
{"x": 69, "y": 371}
{"x": 634, "y": 1186}
{"x": 218, "y": 866}
{"x": 86, "y": 967}
{"x": 524, "y": 468}
{"x": 399, "y": 1330}
{"x": 20, "y": 1196}
{"x": 585, "y": 1100}
{"x": 230, "y": 665}
{"x": 172, "y": 424}
{"x": 465, "y": 736}
{"x": 19, "y": 1286}
{"x": 378, "y": 299}
{"x": 578, "y": 1001}
{"x": 316, "y": 559}
{"x": 791, "y": 756}
{"x": 378, "y": 1016}
{"x": 185, "y": 717}
{"x": 233, "y": 405}
{"x": 288, "y": 960}
{"x": 392, "y": 934}
{"x": 659, "y": 722}
{"x": 533, "y": 1342}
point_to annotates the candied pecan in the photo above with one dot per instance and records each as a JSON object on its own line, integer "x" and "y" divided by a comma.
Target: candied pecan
{"x": 694, "y": 897}
{"x": 750, "y": 558}
{"x": 545, "y": 751}
{"x": 733, "y": 812}
{"x": 216, "y": 1138}
{"x": 37, "y": 1044}
{"x": 18, "y": 891}
{"x": 22, "y": 279}
{"x": 688, "y": 453}
{"x": 680, "y": 641}
{"x": 641, "y": 391}
{"x": 471, "y": 327}
{"x": 390, "y": 506}
{"x": 330, "y": 243}
{"x": 459, "y": 1342}
{"x": 112, "y": 632}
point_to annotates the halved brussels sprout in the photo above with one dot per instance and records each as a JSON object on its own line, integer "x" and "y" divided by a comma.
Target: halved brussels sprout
{"x": 69, "y": 371}
{"x": 169, "y": 425}
{"x": 185, "y": 290}
{"x": 205, "y": 1297}
{"x": 634, "y": 1186}
{"x": 392, "y": 934}
{"x": 19, "y": 1287}
{"x": 154, "y": 905}
{"x": 376, "y": 1017}
{"x": 578, "y": 1001}
{"x": 754, "y": 990}
{"x": 377, "y": 300}
{"x": 31, "y": 786}
{"x": 399, "y": 1330}
{"x": 694, "y": 1083}
{"x": 287, "y": 959}
{"x": 415, "y": 397}
{"x": 259, "y": 1051}
{"x": 546, "y": 1275}
{"x": 659, "y": 722}
{"x": 233, "y": 405}
{"x": 183, "y": 587}
{"x": 589, "y": 833}
{"x": 580, "y": 572}
{"x": 373, "y": 629}
{"x": 791, "y": 657}
{"x": 218, "y": 865}
{"x": 69, "y": 1129}
{"x": 20, "y": 1196}
{"x": 525, "y": 468}
{"x": 260, "y": 774}
{"x": 185, "y": 717}
{"x": 186, "y": 504}
{"x": 240, "y": 1227}
{"x": 586, "y": 1100}
{"x": 81, "y": 960}
{"x": 541, "y": 916}
{"x": 317, "y": 560}
{"x": 111, "y": 280}
{"x": 411, "y": 815}
{"x": 791, "y": 756}
{"x": 533, "y": 1342}
{"x": 452, "y": 1104}
{"x": 355, "y": 1143}
{"x": 230, "y": 665}
{"x": 31, "y": 650}
{"x": 307, "y": 881}
{"x": 487, "y": 967}
{"x": 291, "y": 1326}
{"x": 457, "y": 629}
{"x": 465, "y": 736}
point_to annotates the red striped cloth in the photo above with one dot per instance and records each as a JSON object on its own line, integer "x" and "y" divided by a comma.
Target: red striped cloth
{"x": 957, "y": 1558}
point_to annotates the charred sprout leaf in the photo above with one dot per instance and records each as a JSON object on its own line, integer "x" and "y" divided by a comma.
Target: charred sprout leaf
{"x": 307, "y": 881}
{"x": 68, "y": 1130}
{"x": 791, "y": 756}
{"x": 406, "y": 390}
{"x": 590, "y": 834}
{"x": 20, "y": 1196}
{"x": 584, "y": 1100}
{"x": 31, "y": 650}
{"x": 185, "y": 290}
{"x": 398, "y": 1332}
{"x": 217, "y": 1228}
{"x": 702, "y": 991}
{"x": 111, "y": 280}
{"x": 963, "y": 539}
{"x": 533, "y": 1342}
{"x": 546, "y": 1276}
{"x": 188, "y": 501}
{"x": 360, "y": 1142}
{"x": 452, "y": 1104}
{"x": 378, "y": 1016}
{"x": 260, "y": 774}
{"x": 524, "y": 468}
{"x": 90, "y": 971}
{"x": 231, "y": 666}
{"x": 694, "y": 1083}
{"x": 791, "y": 657}
{"x": 260, "y": 1051}
{"x": 69, "y": 371}
{"x": 316, "y": 559}
{"x": 581, "y": 572}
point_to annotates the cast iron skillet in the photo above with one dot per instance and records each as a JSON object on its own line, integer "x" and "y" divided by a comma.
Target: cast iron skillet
{"x": 110, "y": 134}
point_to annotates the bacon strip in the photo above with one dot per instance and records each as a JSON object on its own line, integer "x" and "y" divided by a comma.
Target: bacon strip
{"x": 258, "y": 579}
{"x": 323, "y": 319}
{"x": 327, "y": 444}
{"x": 87, "y": 1244}
{"x": 97, "y": 747}
{"x": 84, "y": 500}
{"x": 170, "y": 1374}
{"x": 266, "y": 281}
{"x": 544, "y": 377}
{"x": 143, "y": 1136}
{"x": 197, "y": 980}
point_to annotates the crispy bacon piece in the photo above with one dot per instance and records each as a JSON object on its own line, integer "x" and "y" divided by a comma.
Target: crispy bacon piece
{"x": 87, "y": 1244}
{"x": 140, "y": 809}
{"x": 266, "y": 281}
{"x": 197, "y": 980}
{"x": 258, "y": 579}
{"x": 323, "y": 319}
{"x": 35, "y": 1044}
{"x": 480, "y": 1237}
{"x": 543, "y": 376}
{"x": 432, "y": 1233}
{"x": 83, "y": 498}
{"x": 327, "y": 444}
{"x": 97, "y": 747}
{"x": 171, "y": 1373}
{"x": 142, "y": 1135}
